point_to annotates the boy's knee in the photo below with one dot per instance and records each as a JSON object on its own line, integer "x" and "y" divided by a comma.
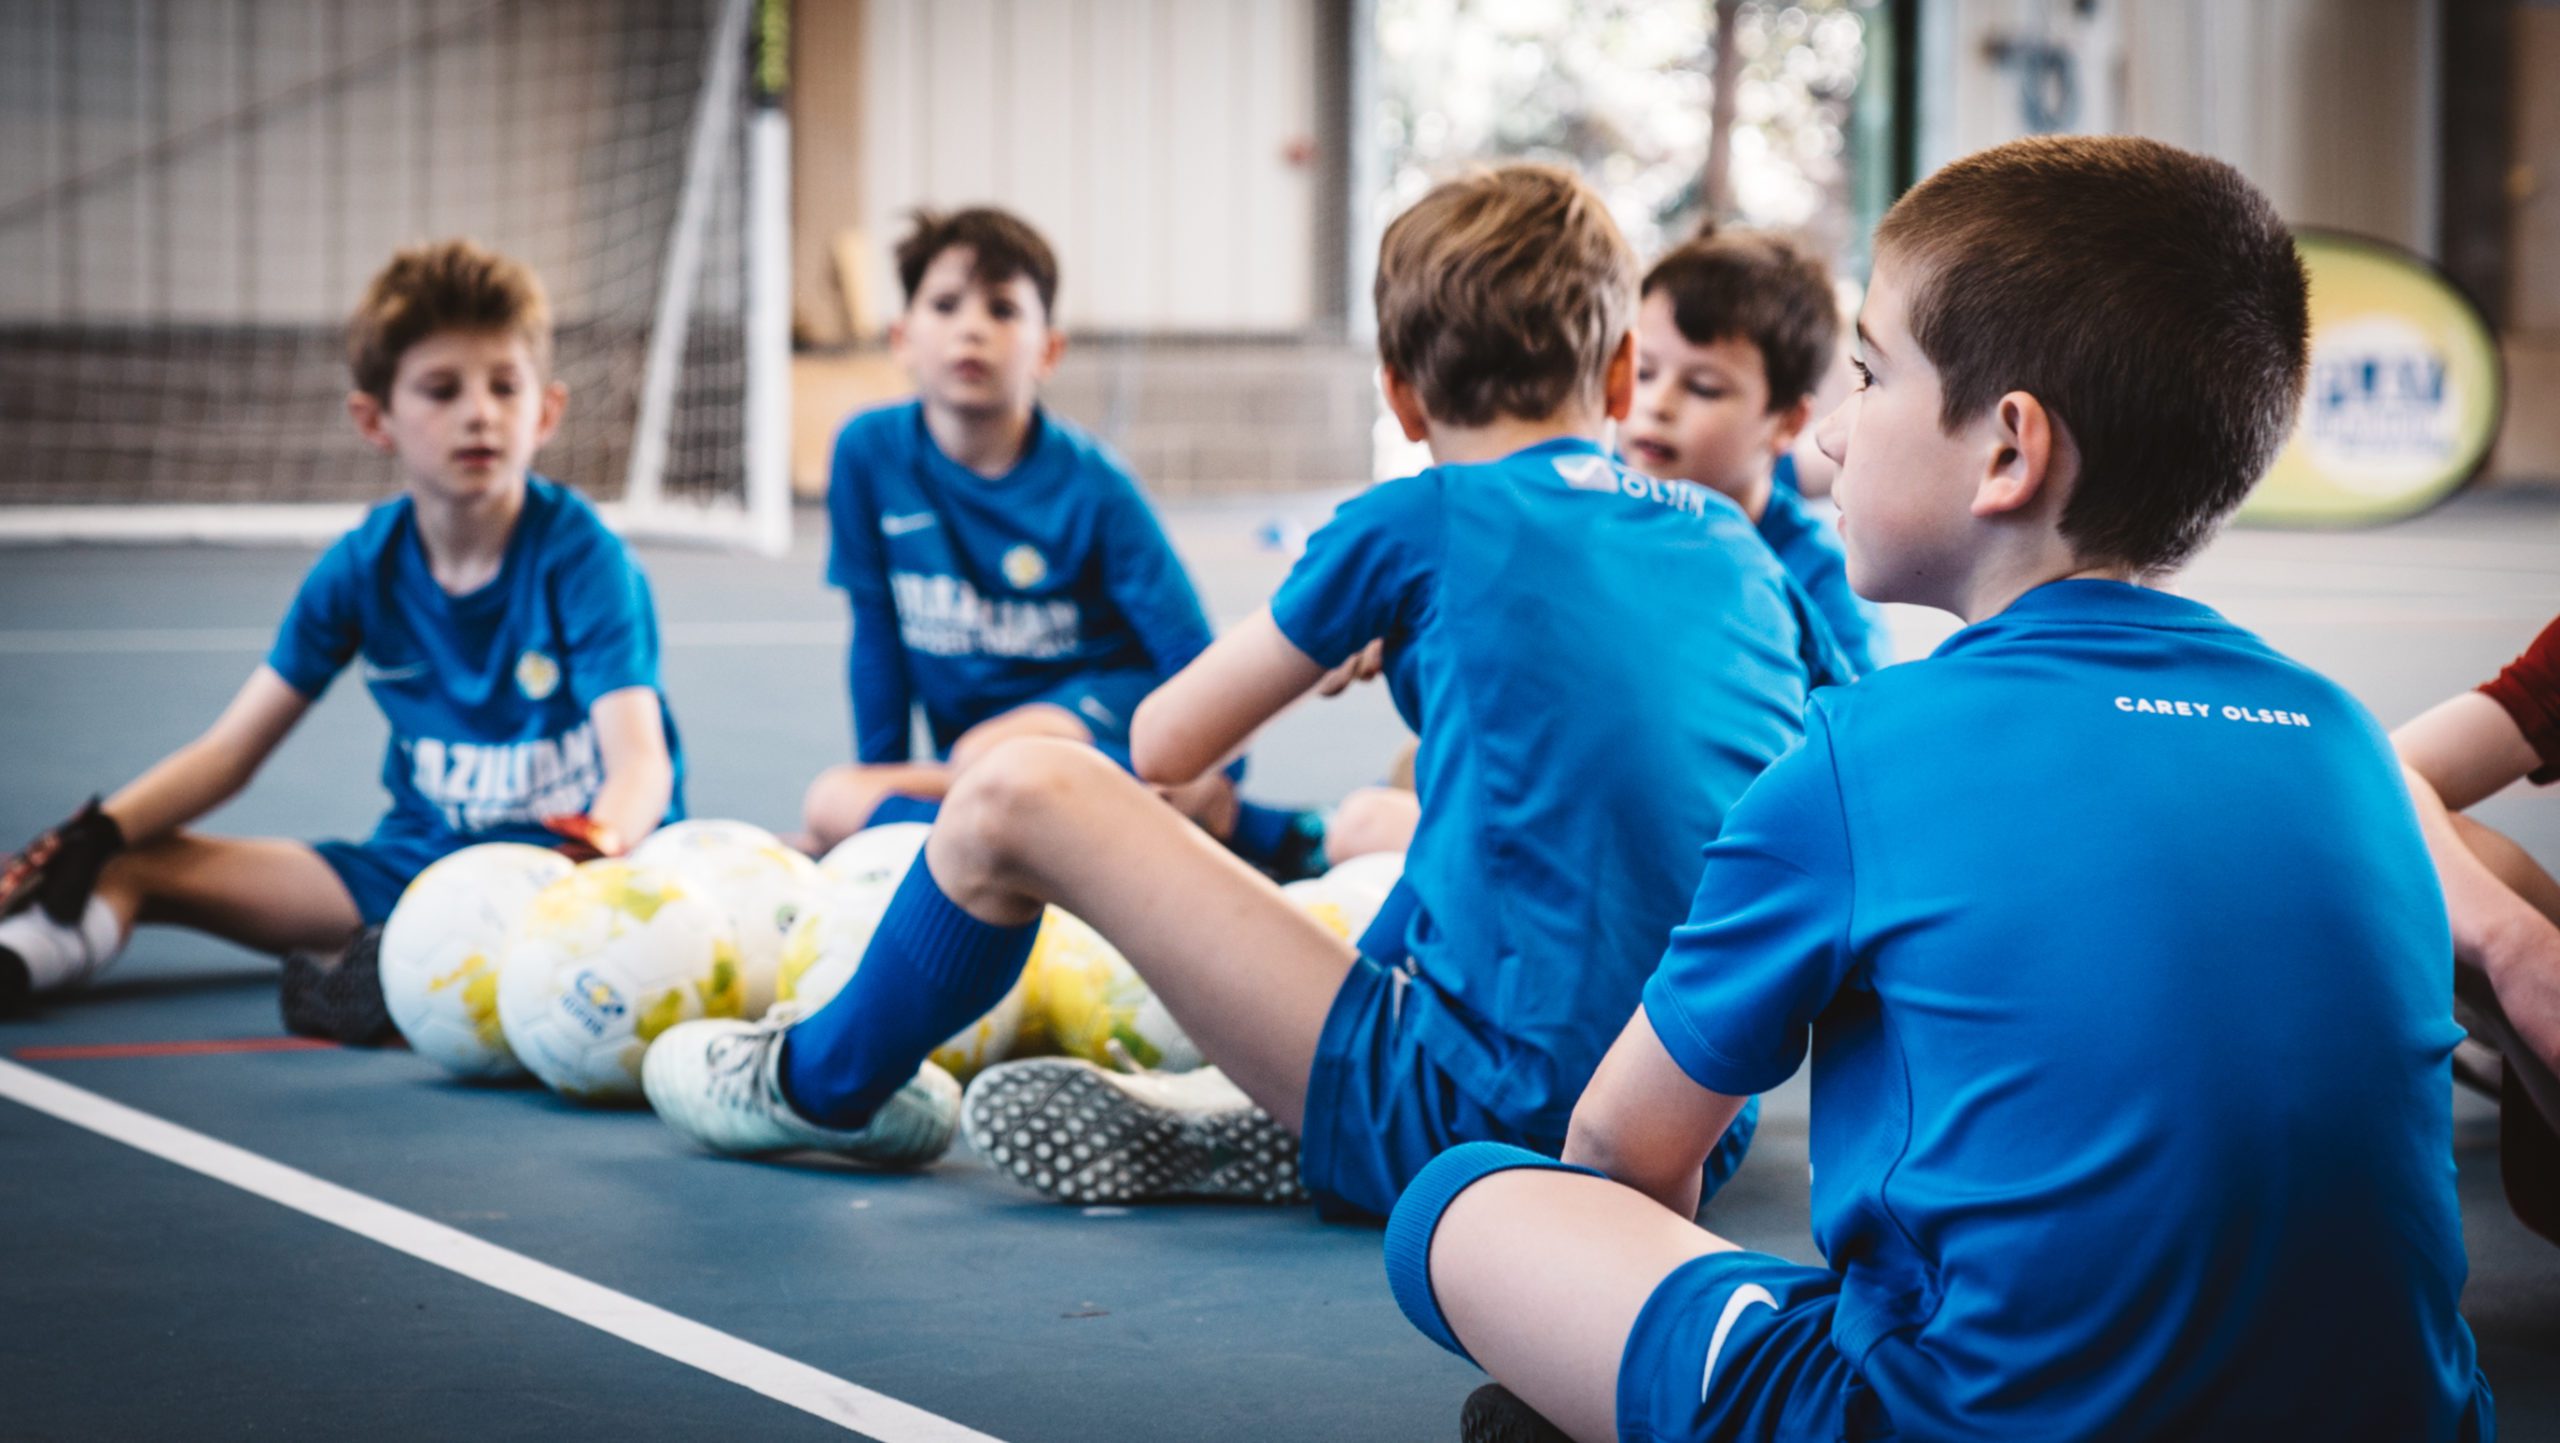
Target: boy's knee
{"x": 1372, "y": 819}
{"x": 836, "y": 803}
{"x": 1023, "y": 792}
{"x": 1416, "y": 1220}
{"x": 1036, "y": 721}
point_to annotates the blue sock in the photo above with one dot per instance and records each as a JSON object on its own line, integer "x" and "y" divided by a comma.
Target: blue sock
{"x": 1280, "y": 840}
{"x": 930, "y": 970}
{"x": 898, "y": 807}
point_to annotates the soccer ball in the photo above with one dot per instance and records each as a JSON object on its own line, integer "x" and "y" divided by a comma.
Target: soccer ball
{"x": 607, "y": 958}
{"x": 443, "y": 946}
{"x": 875, "y": 855}
{"x": 1091, "y": 1003}
{"x": 762, "y": 884}
{"x": 1346, "y": 899}
{"x": 827, "y": 943}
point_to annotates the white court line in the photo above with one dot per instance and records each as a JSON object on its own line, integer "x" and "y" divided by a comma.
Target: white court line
{"x": 822, "y": 1395}
{"x": 77, "y": 641}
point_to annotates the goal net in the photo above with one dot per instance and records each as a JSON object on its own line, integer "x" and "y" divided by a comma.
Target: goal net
{"x": 194, "y": 194}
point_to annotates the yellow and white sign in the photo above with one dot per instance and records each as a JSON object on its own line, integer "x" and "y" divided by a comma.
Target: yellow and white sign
{"x": 2405, "y": 391}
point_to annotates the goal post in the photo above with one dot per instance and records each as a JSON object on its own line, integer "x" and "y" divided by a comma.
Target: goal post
{"x": 203, "y": 190}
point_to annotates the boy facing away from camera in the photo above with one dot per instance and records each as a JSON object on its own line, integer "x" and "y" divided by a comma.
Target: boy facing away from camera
{"x": 2109, "y": 929}
{"x": 1596, "y": 663}
{"x": 507, "y": 636}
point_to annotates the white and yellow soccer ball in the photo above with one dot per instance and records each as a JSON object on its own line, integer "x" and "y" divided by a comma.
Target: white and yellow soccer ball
{"x": 875, "y": 857}
{"x": 762, "y": 883}
{"x": 443, "y": 947}
{"x": 1088, "y": 1002}
{"x": 607, "y": 958}
{"x": 827, "y": 944}
{"x": 1346, "y": 899}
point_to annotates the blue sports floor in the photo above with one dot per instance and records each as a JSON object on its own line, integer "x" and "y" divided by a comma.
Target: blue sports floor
{"x": 141, "y": 1298}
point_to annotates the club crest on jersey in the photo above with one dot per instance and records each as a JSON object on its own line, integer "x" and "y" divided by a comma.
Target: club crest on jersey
{"x": 537, "y": 675}
{"x": 1024, "y": 566}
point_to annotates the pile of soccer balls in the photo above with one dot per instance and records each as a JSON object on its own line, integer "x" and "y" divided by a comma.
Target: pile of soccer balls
{"x": 505, "y": 959}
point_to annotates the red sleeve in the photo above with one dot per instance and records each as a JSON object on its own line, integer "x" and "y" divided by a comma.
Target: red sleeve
{"x": 2530, "y": 691}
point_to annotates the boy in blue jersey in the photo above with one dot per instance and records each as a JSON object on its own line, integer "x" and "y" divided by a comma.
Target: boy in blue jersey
{"x": 1004, "y": 571}
{"x": 506, "y": 635}
{"x": 1733, "y": 333}
{"x": 2030, "y": 902}
{"x": 1596, "y": 662}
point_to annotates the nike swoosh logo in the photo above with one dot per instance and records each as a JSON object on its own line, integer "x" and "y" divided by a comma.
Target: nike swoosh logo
{"x": 394, "y": 673}
{"x": 1743, "y": 1297}
{"x": 1587, "y": 473}
{"x": 1097, "y": 711}
{"x": 900, "y": 525}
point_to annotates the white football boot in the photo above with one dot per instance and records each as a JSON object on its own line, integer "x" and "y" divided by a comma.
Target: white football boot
{"x": 718, "y": 1083}
{"x": 1077, "y": 1132}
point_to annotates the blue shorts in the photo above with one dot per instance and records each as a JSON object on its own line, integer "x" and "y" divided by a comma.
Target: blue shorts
{"x": 378, "y": 869}
{"x": 1104, "y": 701}
{"x": 1379, "y": 1107}
{"x": 1736, "y": 1347}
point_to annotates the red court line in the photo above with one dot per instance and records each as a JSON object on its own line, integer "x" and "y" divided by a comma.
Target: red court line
{"x": 173, "y": 1049}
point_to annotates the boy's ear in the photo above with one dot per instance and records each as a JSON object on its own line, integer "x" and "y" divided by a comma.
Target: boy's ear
{"x": 2026, "y": 456}
{"x": 1618, "y": 384}
{"x": 367, "y": 413}
{"x": 1791, "y": 422}
{"x": 1405, "y": 403}
{"x": 555, "y": 404}
{"x": 1049, "y": 354}
{"x": 898, "y": 339}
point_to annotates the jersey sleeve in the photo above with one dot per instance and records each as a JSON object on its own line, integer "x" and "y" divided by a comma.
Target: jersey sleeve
{"x": 608, "y": 621}
{"x": 1766, "y": 946}
{"x": 1146, "y": 581}
{"x": 876, "y": 666}
{"x": 323, "y": 628}
{"x": 1364, "y": 575}
{"x": 2529, "y": 689}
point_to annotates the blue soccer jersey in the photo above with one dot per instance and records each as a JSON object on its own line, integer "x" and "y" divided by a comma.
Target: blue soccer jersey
{"x": 1809, "y": 548}
{"x": 2126, "y": 981}
{"x": 487, "y": 694}
{"x": 975, "y": 596}
{"x": 1597, "y": 663}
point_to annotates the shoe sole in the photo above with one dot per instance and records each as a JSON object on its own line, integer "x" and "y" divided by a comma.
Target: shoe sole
{"x": 1065, "y": 1130}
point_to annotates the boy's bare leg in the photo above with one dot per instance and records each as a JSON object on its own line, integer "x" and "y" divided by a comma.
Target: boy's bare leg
{"x": 840, "y": 802}
{"x": 265, "y": 893}
{"x": 1248, "y": 975}
{"x": 1373, "y": 819}
{"x": 1540, "y": 1273}
{"x": 1039, "y": 719}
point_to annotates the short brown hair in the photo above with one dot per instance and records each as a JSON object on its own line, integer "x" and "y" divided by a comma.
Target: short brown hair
{"x": 1755, "y": 287}
{"x": 1504, "y": 293}
{"x": 2151, "y": 299}
{"x": 448, "y": 285}
{"x": 1001, "y": 245}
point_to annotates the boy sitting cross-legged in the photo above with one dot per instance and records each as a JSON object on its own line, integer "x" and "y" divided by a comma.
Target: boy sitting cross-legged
{"x": 507, "y": 636}
{"x": 1596, "y": 664}
{"x": 2109, "y": 929}
{"x": 1004, "y": 571}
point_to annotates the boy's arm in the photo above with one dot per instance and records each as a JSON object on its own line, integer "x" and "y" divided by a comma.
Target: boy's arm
{"x": 2466, "y": 747}
{"x": 1645, "y": 1123}
{"x": 211, "y": 769}
{"x": 639, "y": 776}
{"x": 1211, "y": 708}
{"x": 876, "y": 664}
{"x": 1147, "y": 582}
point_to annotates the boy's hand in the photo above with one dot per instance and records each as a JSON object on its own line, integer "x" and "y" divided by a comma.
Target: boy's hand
{"x": 582, "y": 837}
{"x": 59, "y": 869}
{"x": 1362, "y": 665}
